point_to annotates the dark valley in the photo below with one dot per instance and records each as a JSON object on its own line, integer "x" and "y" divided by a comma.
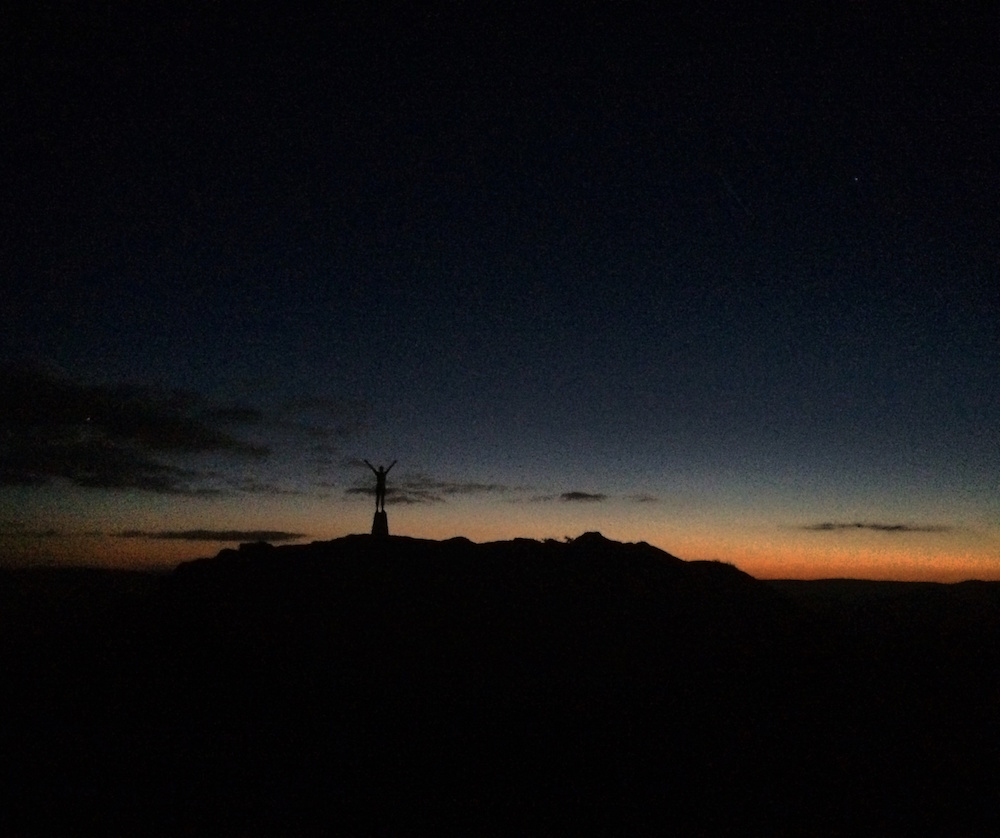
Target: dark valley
{"x": 399, "y": 686}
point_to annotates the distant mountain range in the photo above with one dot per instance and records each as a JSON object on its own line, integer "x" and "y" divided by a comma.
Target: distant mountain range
{"x": 400, "y": 686}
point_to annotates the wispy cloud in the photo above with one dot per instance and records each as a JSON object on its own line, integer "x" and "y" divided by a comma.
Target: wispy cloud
{"x": 107, "y": 436}
{"x": 212, "y": 535}
{"x": 251, "y": 486}
{"x": 642, "y": 497}
{"x": 570, "y": 497}
{"x": 17, "y": 530}
{"x": 542, "y": 498}
{"x": 448, "y": 488}
{"x": 329, "y": 419}
{"x": 583, "y": 497}
{"x": 396, "y": 496}
{"x": 421, "y": 489}
{"x": 834, "y": 526}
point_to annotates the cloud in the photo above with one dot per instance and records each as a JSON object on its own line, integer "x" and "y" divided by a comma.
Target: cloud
{"x": 21, "y": 531}
{"x": 571, "y": 497}
{"x": 89, "y": 463}
{"x": 106, "y": 436}
{"x": 583, "y": 497}
{"x": 642, "y": 497}
{"x": 255, "y": 487}
{"x": 409, "y": 497}
{"x": 422, "y": 489}
{"x": 212, "y": 535}
{"x": 326, "y": 418}
{"x": 398, "y": 496}
{"x": 448, "y": 488}
{"x": 833, "y": 526}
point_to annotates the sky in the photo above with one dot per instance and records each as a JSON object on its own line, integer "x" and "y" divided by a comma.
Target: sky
{"x": 726, "y": 283}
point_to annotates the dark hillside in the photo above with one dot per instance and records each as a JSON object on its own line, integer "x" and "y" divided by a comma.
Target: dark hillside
{"x": 392, "y": 686}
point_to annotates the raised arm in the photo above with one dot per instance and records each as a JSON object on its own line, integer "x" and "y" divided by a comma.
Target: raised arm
{"x": 371, "y": 466}
{"x": 391, "y": 465}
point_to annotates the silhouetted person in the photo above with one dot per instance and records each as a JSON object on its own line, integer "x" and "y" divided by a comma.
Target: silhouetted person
{"x": 380, "y": 474}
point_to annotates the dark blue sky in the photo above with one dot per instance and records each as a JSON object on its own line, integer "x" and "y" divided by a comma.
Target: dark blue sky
{"x": 731, "y": 277}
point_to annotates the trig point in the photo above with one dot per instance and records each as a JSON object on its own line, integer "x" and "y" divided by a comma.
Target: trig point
{"x": 380, "y": 524}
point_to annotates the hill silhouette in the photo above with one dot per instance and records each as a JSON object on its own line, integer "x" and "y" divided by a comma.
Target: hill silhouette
{"x": 397, "y": 685}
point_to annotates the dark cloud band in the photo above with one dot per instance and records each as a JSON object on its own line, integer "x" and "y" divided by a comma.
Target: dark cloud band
{"x": 104, "y": 436}
{"x": 212, "y": 535}
{"x": 583, "y": 497}
{"x": 835, "y": 526}
{"x": 417, "y": 490}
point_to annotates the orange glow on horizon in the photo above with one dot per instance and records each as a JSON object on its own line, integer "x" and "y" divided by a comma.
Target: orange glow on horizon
{"x": 764, "y": 551}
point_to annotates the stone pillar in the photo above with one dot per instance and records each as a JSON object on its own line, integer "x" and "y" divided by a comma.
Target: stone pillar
{"x": 380, "y": 525}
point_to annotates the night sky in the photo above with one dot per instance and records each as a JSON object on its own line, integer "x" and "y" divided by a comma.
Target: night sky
{"x": 726, "y": 283}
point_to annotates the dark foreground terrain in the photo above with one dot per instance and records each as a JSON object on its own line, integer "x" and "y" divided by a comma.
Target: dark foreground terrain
{"x": 399, "y": 686}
